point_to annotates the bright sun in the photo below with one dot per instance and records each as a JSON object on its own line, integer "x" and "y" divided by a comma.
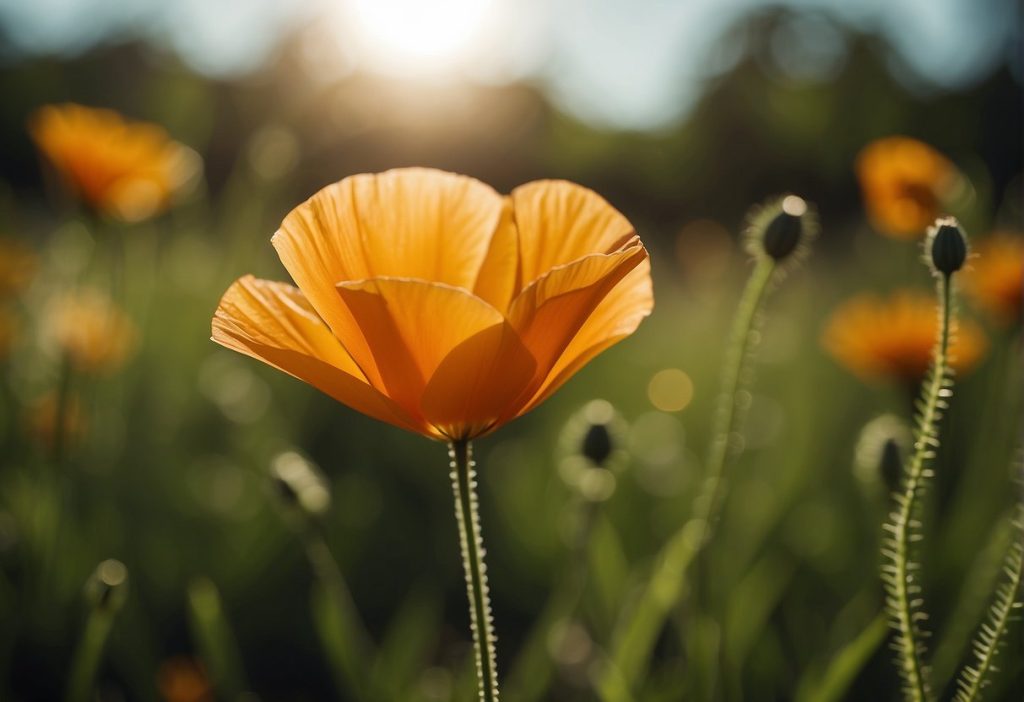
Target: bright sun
{"x": 417, "y": 35}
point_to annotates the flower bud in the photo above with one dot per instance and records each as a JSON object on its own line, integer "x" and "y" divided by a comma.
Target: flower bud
{"x": 592, "y": 451}
{"x": 780, "y": 228}
{"x": 881, "y": 448}
{"x": 597, "y": 444}
{"x": 946, "y": 246}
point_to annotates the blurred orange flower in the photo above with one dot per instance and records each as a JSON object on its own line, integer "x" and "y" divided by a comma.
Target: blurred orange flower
{"x": 905, "y": 184}
{"x": 17, "y": 266}
{"x": 127, "y": 170}
{"x": 91, "y": 331}
{"x": 893, "y": 338}
{"x": 995, "y": 277}
{"x": 427, "y": 300}
{"x": 182, "y": 679}
{"x": 41, "y": 419}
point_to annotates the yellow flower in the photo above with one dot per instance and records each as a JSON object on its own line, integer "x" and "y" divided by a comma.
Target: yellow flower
{"x": 127, "y": 170}
{"x": 893, "y": 338}
{"x": 17, "y": 266}
{"x": 427, "y": 300}
{"x": 905, "y": 184}
{"x": 995, "y": 277}
{"x": 91, "y": 332}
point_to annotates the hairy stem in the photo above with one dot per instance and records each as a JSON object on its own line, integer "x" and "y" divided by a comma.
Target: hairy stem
{"x": 986, "y": 644}
{"x": 467, "y": 514}
{"x": 667, "y": 585}
{"x": 745, "y": 335}
{"x": 900, "y": 574}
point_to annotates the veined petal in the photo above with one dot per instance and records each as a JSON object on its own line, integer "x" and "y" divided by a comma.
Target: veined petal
{"x": 444, "y": 354}
{"x": 407, "y": 223}
{"x": 499, "y": 279}
{"x": 615, "y": 317}
{"x": 274, "y": 323}
{"x": 550, "y": 312}
{"x": 560, "y": 222}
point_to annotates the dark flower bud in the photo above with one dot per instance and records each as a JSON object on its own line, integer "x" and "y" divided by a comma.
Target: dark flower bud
{"x": 781, "y": 228}
{"x": 946, "y": 246}
{"x": 597, "y": 444}
{"x": 593, "y": 451}
{"x": 782, "y": 235}
{"x": 881, "y": 449}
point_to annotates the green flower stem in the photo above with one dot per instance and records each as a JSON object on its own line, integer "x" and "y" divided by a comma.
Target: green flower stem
{"x": 467, "y": 514}
{"x": 342, "y": 632}
{"x": 993, "y": 630}
{"x": 667, "y": 585}
{"x": 900, "y": 575}
{"x": 89, "y": 652}
{"x": 745, "y": 336}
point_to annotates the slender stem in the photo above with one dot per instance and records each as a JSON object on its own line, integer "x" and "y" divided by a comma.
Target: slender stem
{"x": 89, "y": 653}
{"x": 987, "y": 642}
{"x": 668, "y": 583}
{"x": 901, "y": 574}
{"x": 745, "y": 335}
{"x": 350, "y": 649}
{"x": 467, "y": 514}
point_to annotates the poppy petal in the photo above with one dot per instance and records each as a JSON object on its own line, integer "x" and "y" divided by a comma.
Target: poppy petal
{"x": 551, "y": 311}
{"x": 498, "y": 278}
{"x": 445, "y": 355}
{"x": 615, "y": 317}
{"x": 274, "y": 323}
{"x": 560, "y": 222}
{"x": 406, "y": 223}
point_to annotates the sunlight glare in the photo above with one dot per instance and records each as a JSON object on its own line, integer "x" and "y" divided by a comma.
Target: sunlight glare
{"x": 414, "y": 36}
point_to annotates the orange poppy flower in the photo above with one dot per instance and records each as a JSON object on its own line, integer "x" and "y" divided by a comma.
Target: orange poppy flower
{"x": 128, "y": 170}
{"x": 91, "y": 332}
{"x": 427, "y": 300}
{"x": 995, "y": 276}
{"x": 894, "y": 338}
{"x": 905, "y": 184}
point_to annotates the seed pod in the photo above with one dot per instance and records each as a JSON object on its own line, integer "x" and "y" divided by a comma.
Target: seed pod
{"x": 946, "y": 246}
{"x": 781, "y": 228}
{"x": 880, "y": 451}
{"x": 597, "y": 444}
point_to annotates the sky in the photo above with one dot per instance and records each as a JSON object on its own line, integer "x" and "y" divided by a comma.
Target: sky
{"x": 630, "y": 64}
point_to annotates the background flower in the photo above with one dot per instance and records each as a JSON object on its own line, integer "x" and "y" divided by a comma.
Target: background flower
{"x": 128, "y": 170}
{"x": 995, "y": 277}
{"x": 91, "y": 331}
{"x": 905, "y": 184}
{"x": 892, "y": 338}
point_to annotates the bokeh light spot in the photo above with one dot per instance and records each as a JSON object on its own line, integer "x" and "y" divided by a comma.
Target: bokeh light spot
{"x": 670, "y": 390}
